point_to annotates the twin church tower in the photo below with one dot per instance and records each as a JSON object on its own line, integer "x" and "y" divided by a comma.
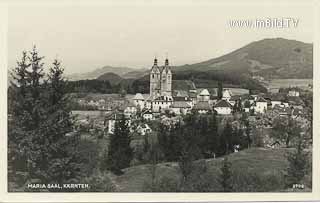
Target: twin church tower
{"x": 160, "y": 80}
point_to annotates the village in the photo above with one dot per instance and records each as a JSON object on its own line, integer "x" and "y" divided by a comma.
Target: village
{"x": 99, "y": 113}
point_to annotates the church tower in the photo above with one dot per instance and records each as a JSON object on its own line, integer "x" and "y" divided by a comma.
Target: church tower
{"x": 166, "y": 79}
{"x": 155, "y": 80}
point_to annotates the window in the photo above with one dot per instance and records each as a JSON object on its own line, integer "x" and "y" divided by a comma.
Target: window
{"x": 152, "y": 76}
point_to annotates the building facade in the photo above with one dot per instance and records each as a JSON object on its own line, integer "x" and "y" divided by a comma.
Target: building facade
{"x": 160, "y": 80}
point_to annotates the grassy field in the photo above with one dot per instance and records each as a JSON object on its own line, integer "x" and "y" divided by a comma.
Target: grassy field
{"x": 275, "y": 84}
{"x": 255, "y": 161}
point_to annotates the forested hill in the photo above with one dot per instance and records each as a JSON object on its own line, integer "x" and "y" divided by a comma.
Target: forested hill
{"x": 270, "y": 58}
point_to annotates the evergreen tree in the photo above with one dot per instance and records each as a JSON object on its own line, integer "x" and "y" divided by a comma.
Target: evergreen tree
{"x": 226, "y": 176}
{"x": 63, "y": 163}
{"x": 40, "y": 124}
{"x": 226, "y": 141}
{"x": 213, "y": 139}
{"x": 18, "y": 104}
{"x": 120, "y": 153}
{"x": 248, "y": 132}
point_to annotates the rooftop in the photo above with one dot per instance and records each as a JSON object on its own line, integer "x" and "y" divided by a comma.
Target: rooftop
{"x": 180, "y": 104}
{"x": 138, "y": 96}
{"x": 202, "y": 106}
{"x": 223, "y": 103}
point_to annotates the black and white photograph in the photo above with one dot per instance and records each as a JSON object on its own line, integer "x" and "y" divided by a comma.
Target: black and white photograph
{"x": 160, "y": 97}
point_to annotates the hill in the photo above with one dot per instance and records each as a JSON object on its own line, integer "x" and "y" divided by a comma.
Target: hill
{"x": 98, "y": 72}
{"x": 113, "y": 78}
{"x": 136, "y": 73}
{"x": 276, "y": 58}
{"x": 265, "y": 165}
{"x": 270, "y": 58}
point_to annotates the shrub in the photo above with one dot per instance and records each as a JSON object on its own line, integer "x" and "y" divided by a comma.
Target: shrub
{"x": 99, "y": 182}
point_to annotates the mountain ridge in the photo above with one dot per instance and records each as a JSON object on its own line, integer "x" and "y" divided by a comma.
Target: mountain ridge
{"x": 273, "y": 58}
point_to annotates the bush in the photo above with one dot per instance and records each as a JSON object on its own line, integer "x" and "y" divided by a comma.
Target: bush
{"x": 99, "y": 182}
{"x": 162, "y": 184}
{"x": 246, "y": 181}
{"x": 89, "y": 153}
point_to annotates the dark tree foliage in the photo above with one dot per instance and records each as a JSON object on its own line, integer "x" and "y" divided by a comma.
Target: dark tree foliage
{"x": 226, "y": 176}
{"x": 211, "y": 143}
{"x": 120, "y": 153}
{"x": 220, "y": 90}
{"x": 93, "y": 86}
{"x": 230, "y": 78}
{"x": 40, "y": 120}
{"x": 285, "y": 129}
{"x": 226, "y": 140}
{"x": 248, "y": 129}
{"x": 298, "y": 163}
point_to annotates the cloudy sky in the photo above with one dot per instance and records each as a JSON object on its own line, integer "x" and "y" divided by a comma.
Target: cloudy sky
{"x": 86, "y": 37}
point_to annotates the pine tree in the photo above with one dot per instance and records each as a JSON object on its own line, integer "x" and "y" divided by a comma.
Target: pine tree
{"x": 18, "y": 105}
{"x": 248, "y": 132}
{"x": 226, "y": 141}
{"x": 213, "y": 140}
{"x": 63, "y": 164}
{"x": 29, "y": 112}
{"x": 120, "y": 153}
{"x": 226, "y": 176}
{"x": 40, "y": 125}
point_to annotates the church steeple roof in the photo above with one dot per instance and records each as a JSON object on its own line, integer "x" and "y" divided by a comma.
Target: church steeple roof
{"x": 166, "y": 65}
{"x": 155, "y": 65}
{"x": 166, "y": 62}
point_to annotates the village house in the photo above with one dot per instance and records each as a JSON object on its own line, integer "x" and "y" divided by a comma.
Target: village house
{"x": 226, "y": 95}
{"x": 144, "y": 129}
{"x": 112, "y": 121}
{"x": 161, "y": 103}
{"x": 204, "y": 96}
{"x": 147, "y": 115}
{"x": 193, "y": 96}
{"x": 234, "y": 99}
{"x": 139, "y": 101}
{"x": 223, "y": 107}
{"x": 294, "y": 92}
{"x": 130, "y": 110}
{"x": 276, "y": 99}
{"x": 202, "y": 107}
{"x": 181, "y": 105}
{"x": 282, "y": 110}
{"x": 261, "y": 105}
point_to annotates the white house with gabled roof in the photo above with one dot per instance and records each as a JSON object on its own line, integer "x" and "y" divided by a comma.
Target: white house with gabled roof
{"x": 223, "y": 107}
{"x": 261, "y": 105}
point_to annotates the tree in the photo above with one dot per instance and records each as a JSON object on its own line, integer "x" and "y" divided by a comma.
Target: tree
{"x": 226, "y": 176}
{"x": 40, "y": 122}
{"x": 63, "y": 163}
{"x": 212, "y": 137}
{"x": 120, "y": 153}
{"x": 248, "y": 130}
{"x": 226, "y": 141}
{"x": 220, "y": 90}
{"x": 285, "y": 129}
{"x": 298, "y": 161}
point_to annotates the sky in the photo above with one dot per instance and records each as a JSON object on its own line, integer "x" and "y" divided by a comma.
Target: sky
{"x": 86, "y": 37}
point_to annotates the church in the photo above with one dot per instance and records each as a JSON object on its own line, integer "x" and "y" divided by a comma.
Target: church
{"x": 160, "y": 80}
